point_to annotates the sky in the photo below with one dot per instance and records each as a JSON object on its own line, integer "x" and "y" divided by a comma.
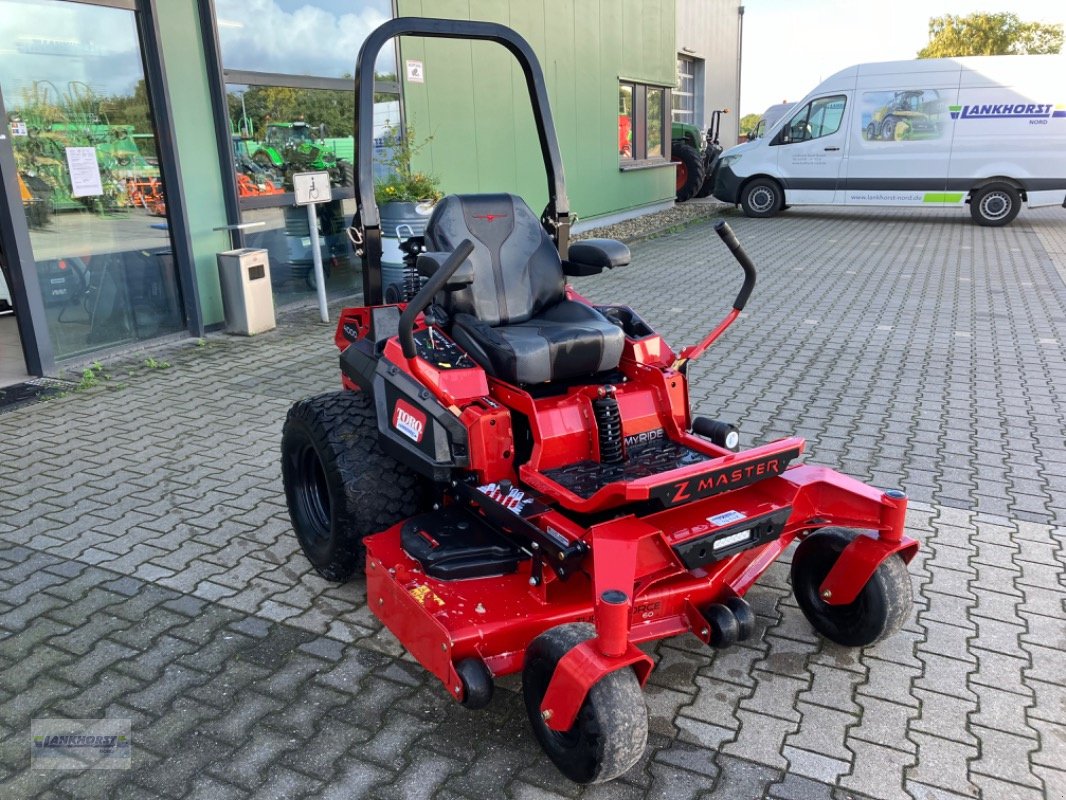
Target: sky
{"x": 790, "y": 46}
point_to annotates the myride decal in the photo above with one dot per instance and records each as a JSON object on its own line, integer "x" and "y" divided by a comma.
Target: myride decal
{"x": 1040, "y": 112}
{"x": 724, "y": 479}
{"x": 409, "y": 421}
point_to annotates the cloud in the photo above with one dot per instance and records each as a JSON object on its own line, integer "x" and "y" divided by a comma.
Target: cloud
{"x": 303, "y": 39}
{"x": 61, "y": 43}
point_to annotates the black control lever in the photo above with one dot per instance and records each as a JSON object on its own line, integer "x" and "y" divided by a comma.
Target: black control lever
{"x": 721, "y": 227}
{"x": 427, "y": 293}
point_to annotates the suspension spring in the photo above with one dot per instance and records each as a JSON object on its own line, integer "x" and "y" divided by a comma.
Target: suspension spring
{"x": 412, "y": 281}
{"x": 609, "y": 423}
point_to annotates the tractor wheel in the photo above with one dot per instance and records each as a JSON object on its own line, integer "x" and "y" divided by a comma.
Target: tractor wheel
{"x": 311, "y": 280}
{"x": 347, "y": 172}
{"x": 762, "y": 198}
{"x": 888, "y": 129}
{"x": 879, "y": 610}
{"x": 871, "y": 131}
{"x": 339, "y": 484}
{"x": 689, "y": 170}
{"x": 708, "y": 183}
{"x": 995, "y": 205}
{"x": 611, "y": 729}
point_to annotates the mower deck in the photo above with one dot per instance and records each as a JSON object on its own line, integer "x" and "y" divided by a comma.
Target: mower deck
{"x": 677, "y": 562}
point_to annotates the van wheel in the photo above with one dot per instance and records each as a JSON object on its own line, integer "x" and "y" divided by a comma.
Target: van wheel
{"x": 762, "y": 198}
{"x": 995, "y": 205}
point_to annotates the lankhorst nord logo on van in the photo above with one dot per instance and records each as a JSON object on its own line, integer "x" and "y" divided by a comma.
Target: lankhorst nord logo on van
{"x": 1007, "y": 111}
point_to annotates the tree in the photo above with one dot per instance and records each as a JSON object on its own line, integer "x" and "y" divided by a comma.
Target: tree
{"x": 989, "y": 35}
{"x": 748, "y": 123}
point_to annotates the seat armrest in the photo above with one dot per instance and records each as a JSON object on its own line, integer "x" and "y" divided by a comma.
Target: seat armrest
{"x": 429, "y": 263}
{"x": 592, "y": 256}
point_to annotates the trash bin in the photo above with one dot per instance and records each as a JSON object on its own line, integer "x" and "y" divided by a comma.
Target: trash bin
{"x": 247, "y": 300}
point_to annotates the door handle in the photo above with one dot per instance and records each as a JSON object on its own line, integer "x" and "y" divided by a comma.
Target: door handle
{"x": 831, "y": 149}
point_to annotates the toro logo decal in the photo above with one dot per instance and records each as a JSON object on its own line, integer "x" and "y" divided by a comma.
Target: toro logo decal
{"x": 409, "y": 421}
{"x": 490, "y": 217}
{"x": 723, "y": 480}
{"x": 1007, "y": 111}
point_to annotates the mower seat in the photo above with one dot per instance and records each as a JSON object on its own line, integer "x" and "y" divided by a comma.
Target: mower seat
{"x": 514, "y": 319}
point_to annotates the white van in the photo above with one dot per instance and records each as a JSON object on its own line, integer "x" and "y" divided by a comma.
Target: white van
{"x": 989, "y": 131}
{"x": 768, "y": 118}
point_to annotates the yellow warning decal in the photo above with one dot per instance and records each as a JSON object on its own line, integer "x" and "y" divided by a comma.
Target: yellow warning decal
{"x": 424, "y": 595}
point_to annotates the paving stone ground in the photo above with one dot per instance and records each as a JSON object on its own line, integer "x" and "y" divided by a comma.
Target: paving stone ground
{"x": 148, "y": 570}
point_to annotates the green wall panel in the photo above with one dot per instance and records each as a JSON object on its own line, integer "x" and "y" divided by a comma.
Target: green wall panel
{"x": 475, "y": 106}
{"x": 190, "y": 100}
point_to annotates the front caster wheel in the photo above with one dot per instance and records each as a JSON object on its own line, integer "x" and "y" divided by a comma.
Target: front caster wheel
{"x": 879, "y": 610}
{"x": 611, "y": 730}
{"x": 477, "y": 682}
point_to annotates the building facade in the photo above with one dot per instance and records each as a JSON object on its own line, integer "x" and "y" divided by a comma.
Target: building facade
{"x": 142, "y": 137}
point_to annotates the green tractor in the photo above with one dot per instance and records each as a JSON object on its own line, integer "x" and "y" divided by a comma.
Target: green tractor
{"x": 290, "y": 147}
{"x": 910, "y": 114}
{"x": 695, "y": 154}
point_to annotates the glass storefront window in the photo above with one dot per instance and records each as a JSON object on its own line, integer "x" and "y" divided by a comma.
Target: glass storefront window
{"x": 82, "y": 132}
{"x": 301, "y": 37}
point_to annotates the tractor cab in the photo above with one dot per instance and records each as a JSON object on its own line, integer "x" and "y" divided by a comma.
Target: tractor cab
{"x": 289, "y": 134}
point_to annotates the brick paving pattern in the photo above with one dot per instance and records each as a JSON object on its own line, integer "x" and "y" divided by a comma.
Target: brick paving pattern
{"x": 148, "y": 570}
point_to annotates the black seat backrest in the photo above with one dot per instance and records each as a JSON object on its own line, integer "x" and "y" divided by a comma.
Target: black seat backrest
{"x": 517, "y": 270}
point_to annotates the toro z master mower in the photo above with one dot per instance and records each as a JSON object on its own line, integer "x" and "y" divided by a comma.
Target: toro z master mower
{"x": 518, "y": 472}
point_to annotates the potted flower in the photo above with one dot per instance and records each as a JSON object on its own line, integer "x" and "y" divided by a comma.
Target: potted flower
{"x": 405, "y": 199}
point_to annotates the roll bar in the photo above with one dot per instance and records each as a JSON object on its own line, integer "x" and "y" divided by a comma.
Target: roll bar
{"x": 366, "y": 226}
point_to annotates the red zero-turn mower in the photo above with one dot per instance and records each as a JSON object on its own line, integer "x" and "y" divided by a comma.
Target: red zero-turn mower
{"x": 518, "y": 471}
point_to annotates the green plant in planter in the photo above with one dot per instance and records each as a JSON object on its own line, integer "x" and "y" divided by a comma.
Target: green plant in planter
{"x": 404, "y": 184}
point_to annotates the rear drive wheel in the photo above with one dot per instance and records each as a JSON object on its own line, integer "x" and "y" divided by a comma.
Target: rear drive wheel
{"x": 762, "y": 198}
{"x": 995, "y": 205}
{"x": 689, "y": 170}
{"x": 879, "y": 610}
{"x": 611, "y": 729}
{"x": 708, "y": 172}
{"x": 339, "y": 484}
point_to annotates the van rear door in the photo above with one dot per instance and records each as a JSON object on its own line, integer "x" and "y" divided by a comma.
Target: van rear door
{"x": 810, "y": 149}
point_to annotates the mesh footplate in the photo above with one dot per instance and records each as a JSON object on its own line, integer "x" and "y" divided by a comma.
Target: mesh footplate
{"x": 585, "y": 478}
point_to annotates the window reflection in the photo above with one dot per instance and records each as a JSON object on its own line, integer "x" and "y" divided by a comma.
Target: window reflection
{"x": 300, "y": 37}
{"x": 655, "y": 123}
{"x": 285, "y": 236}
{"x": 625, "y": 120}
